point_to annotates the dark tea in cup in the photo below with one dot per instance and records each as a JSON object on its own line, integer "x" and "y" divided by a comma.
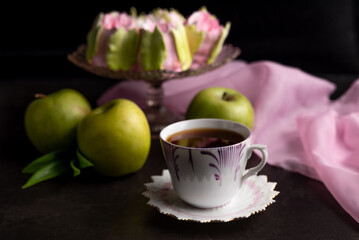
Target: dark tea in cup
{"x": 205, "y": 138}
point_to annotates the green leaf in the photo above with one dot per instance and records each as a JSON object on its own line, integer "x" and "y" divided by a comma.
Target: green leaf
{"x": 79, "y": 162}
{"x": 152, "y": 50}
{"x": 182, "y": 47}
{"x": 40, "y": 162}
{"x": 122, "y": 49}
{"x": 75, "y": 169}
{"x": 83, "y": 162}
{"x": 194, "y": 37}
{"x": 51, "y": 170}
{"x": 93, "y": 37}
{"x": 54, "y": 164}
{"x": 218, "y": 47}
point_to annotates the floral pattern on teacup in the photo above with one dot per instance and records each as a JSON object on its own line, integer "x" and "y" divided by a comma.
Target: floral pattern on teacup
{"x": 219, "y": 160}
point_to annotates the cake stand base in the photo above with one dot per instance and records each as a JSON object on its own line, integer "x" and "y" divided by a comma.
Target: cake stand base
{"x": 159, "y": 119}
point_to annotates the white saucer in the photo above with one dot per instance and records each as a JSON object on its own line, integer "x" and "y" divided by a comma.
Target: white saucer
{"x": 255, "y": 195}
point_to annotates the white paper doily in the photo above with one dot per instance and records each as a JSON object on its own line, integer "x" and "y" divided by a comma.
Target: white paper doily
{"x": 255, "y": 195}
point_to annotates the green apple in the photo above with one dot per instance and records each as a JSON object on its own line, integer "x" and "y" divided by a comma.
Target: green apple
{"x": 220, "y": 102}
{"x": 115, "y": 137}
{"x": 51, "y": 120}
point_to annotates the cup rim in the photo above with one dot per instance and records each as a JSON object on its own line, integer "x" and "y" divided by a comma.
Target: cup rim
{"x": 206, "y": 119}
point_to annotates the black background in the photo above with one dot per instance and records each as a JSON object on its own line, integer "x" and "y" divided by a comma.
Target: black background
{"x": 318, "y": 36}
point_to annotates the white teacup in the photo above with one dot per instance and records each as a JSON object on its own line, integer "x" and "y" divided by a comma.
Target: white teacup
{"x": 209, "y": 177}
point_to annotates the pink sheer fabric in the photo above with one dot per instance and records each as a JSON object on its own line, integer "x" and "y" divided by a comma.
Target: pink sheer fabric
{"x": 305, "y": 132}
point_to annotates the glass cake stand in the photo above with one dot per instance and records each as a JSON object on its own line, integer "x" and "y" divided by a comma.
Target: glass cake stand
{"x": 158, "y": 116}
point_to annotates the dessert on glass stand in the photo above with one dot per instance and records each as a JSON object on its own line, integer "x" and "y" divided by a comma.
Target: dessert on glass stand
{"x": 154, "y": 48}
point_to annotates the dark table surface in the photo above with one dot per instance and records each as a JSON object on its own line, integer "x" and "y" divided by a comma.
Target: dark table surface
{"x": 95, "y": 207}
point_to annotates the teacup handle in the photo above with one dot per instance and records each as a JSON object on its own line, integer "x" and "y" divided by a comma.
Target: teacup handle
{"x": 254, "y": 170}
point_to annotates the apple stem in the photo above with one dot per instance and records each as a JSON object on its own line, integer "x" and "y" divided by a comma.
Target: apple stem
{"x": 227, "y": 97}
{"x": 40, "y": 95}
